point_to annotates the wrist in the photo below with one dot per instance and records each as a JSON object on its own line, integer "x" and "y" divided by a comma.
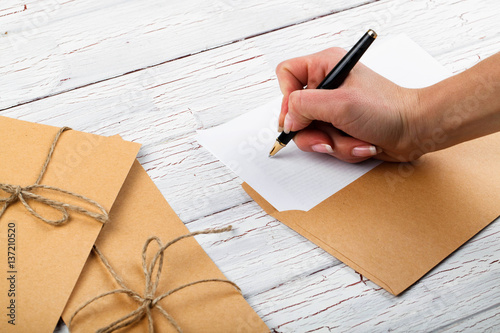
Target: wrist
{"x": 431, "y": 127}
{"x": 418, "y": 123}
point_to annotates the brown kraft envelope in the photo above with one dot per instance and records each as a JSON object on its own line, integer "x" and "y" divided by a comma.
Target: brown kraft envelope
{"x": 40, "y": 263}
{"x": 399, "y": 220}
{"x": 140, "y": 212}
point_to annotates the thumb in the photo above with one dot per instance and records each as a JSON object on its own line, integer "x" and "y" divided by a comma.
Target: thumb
{"x": 307, "y": 105}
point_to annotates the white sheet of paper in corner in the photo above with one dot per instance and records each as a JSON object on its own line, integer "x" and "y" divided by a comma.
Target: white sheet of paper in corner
{"x": 296, "y": 180}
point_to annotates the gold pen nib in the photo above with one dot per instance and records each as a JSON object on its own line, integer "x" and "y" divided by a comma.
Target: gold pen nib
{"x": 276, "y": 148}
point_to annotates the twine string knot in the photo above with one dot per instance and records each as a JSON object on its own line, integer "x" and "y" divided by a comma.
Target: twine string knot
{"x": 14, "y": 191}
{"x": 22, "y": 194}
{"x": 148, "y": 302}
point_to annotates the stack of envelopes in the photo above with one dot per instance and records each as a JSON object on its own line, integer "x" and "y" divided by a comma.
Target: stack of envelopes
{"x": 49, "y": 272}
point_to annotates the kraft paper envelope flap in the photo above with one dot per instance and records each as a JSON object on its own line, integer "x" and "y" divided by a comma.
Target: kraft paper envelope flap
{"x": 399, "y": 220}
{"x": 139, "y": 213}
{"x": 47, "y": 260}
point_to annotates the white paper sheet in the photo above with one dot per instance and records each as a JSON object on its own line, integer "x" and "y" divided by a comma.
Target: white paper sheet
{"x": 296, "y": 180}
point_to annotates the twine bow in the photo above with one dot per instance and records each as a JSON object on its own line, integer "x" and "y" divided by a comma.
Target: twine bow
{"x": 25, "y": 193}
{"x": 148, "y": 301}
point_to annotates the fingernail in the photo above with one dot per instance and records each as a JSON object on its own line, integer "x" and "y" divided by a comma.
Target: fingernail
{"x": 322, "y": 148}
{"x": 280, "y": 128}
{"x": 287, "y": 126}
{"x": 364, "y": 151}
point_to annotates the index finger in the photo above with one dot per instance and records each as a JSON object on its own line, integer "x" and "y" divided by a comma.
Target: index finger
{"x": 292, "y": 75}
{"x": 307, "y": 71}
{"x": 310, "y": 70}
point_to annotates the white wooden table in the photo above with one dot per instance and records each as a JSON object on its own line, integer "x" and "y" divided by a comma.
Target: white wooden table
{"x": 156, "y": 71}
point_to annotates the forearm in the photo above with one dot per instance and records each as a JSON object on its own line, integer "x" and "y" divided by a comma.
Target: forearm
{"x": 462, "y": 107}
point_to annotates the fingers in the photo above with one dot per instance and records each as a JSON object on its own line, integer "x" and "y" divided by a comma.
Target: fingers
{"x": 304, "y": 106}
{"x": 284, "y": 110}
{"x": 324, "y": 138}
{"x": 292, "y": 75}
{"x": 310, "y": 70}
{"x": 297, "y": 73}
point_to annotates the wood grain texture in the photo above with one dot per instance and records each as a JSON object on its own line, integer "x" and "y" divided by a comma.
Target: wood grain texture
{"x": 292, "y": 284}
{"x": 68, "y": 44}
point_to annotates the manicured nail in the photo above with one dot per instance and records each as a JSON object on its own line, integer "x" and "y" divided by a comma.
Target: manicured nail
{"x": 280, "y": 128}
{"x": 364, "y": 151}
{"x": 287, "y": 126}
{"x": 322, "y": 148}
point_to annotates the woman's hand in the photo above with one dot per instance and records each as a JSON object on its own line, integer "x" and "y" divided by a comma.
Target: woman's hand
{"x": 382, "y": 119}
{"x": 379, "y": 116}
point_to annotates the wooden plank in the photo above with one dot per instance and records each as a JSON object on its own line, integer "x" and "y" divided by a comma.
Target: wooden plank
{"x": 485, "y": 321}
{"x": 50, "y": 46}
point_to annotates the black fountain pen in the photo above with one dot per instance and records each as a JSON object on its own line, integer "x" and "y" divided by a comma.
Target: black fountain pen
{"x": 333, "y": 80}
